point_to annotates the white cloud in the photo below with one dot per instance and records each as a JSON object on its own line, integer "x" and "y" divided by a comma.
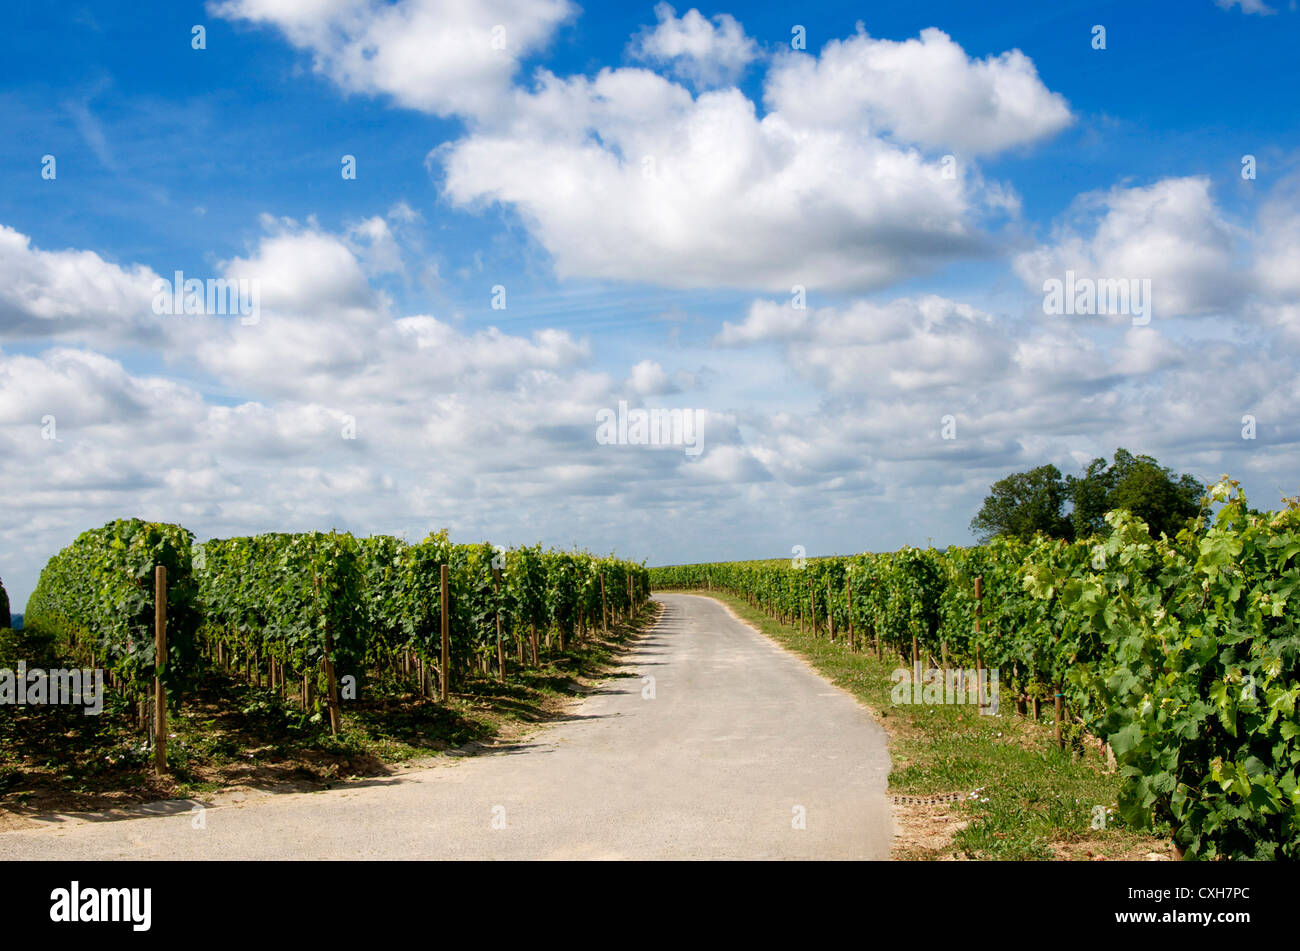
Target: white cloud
{"x": 72, "y": 293}
{"x": 702, "y": 52}
{"x": 627, "y": 177}
{"x": 373, "y": 241}
{"x": 1277, "y": 244}
{"x": 1170, "y": 232}
{"x": 901, "y": 347}
{"x": 648, "y": 378}
{"x": 923, "y": 91}
{"x": 1247, "y": 6}
{"x": 840, "y": 184}
{"x": 440, "y": 56}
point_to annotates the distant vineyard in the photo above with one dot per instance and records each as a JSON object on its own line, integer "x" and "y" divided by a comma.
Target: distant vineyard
{"x": 1184, "y": 653}
{"x": 289, "y": 610}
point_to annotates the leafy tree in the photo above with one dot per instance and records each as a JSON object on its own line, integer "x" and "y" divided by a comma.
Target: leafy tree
{"x": 1023, "y": 504}
{"x": 1137, "y": 484}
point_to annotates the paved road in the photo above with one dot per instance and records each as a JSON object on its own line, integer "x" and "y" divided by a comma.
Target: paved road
{"x": 738, "y": 738}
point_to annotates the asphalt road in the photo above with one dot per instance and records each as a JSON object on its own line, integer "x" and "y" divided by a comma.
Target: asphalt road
{"x": 735, "y": 750}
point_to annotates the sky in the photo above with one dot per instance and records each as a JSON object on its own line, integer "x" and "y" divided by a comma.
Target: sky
{"x": 468, "y": 232}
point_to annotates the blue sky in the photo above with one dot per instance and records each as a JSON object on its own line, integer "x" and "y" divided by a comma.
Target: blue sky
{"x": 777, "y": 166}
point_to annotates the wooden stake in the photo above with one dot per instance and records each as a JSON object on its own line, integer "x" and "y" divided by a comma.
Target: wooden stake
{"x": 979, "y": 612}
{"x": 830, "y": 613}
{"x": 604, "y": 611}
{"x": 160, "y": 663}
{"x": 446, "y": 636}
{"x": 501, "y": 651}
{"x": 853, "y": 643}
{"x": 1060, "y": 744}
{"x": 336, "y": 715}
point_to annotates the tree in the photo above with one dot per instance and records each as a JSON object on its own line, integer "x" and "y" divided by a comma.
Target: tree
{"x": 1023, "y": 504}
{"x": 1136, "y": 483}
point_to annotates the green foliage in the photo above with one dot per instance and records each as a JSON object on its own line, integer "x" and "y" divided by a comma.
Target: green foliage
{"x": 1183, "y": 652}
{"x": 1137, "y": 484}
{"x": 5, "y": 619}
{"x": 1201, "y": 675}
{"x": 1024, "y": 504}
{"x": 97, "y": 595}
{"x": 276, "y": 595}
{"x": 297, "y": 597}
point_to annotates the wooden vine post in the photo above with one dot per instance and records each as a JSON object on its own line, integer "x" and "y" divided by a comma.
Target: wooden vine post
{"x": 979, "y": 614}
{"x": 160, "y": 661}
{"x": 1059, "y": 741}
{"x": 853, "y": 644}
{"x": 812, "y": 601}
{"x": 332, "y": 701}
{"x": 501, "y": 653}
{"x": 830, "y": 613}
{"x": 327, "y": 665}
{"x": 446, "y": 637}
{"x": 604, "y": 609}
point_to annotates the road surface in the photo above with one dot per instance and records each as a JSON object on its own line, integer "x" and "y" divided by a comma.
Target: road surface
{"x": 735, "y": 750}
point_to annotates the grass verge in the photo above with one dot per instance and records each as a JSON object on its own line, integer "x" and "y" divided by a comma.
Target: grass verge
{"x": 1020, "y": 797}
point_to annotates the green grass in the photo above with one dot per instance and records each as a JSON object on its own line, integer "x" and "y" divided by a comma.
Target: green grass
{"x": 1033, "y": 800}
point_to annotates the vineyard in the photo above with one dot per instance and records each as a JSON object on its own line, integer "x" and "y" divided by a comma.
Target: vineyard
{"x": 317, "y": 618}
{"x": 1181, "y": 654}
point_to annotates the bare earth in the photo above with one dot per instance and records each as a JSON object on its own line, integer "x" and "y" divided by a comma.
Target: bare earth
{"x": 739, "y": 740}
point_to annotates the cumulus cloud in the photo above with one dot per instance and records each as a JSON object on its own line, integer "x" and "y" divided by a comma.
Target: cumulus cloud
{"x": 703, "y": 52}
{"x": 843, "y": 181}
{"x": 648, "y": 378}
{"x": 1170, "y": 232}
{"x": 72, "y": 293}
{"x": 900, "y": 347}
{"x": 923, "y": 91}
{"x": 440, "y": 56}
{"x": 1276, "y": 248}
{"x": 627, "y": 176}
